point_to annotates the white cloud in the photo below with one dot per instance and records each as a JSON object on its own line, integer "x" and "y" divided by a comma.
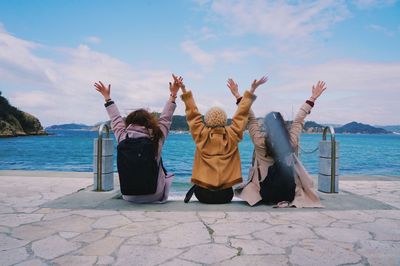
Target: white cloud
{"x": 351, "y": 75}
{"x": 194, "y": 75}
{"x": 226, "y": 55}
{"x": 382, "y": 29}
{"x": 197, "y": 54}
{"x": 279, "y": 19}
{"x": 293, "y": 29}
{"x": 235, "y": 55}
{"x": 93, "y": 39}
{"x": 366, "y": 92}
{"x": 16, "y": 57}
{"x": 207, "y": 34}
{"x": 62, "y": 91}
{"x": 357, "y": 91}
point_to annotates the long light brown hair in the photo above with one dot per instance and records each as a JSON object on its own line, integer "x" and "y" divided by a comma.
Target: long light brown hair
{"x": 143, "y": 118}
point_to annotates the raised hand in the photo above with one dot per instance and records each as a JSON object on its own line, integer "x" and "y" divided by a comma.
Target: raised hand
{"x": 232, "y": 85}
{"x": 257, "y": 83}
{"x": 105, "y": 91}
{"x": 317, "y": 90}
{"x": 174, "y": 87}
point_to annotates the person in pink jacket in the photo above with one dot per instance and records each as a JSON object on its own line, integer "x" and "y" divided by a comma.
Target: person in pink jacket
{"x": 277, "y": 176}
{"x": 139, "y": 124}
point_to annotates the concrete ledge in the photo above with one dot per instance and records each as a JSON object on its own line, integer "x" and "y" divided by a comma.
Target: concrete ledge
{"x": 86, "y": 198}
{"x": 89, "y": 199}
{"x": 90, "y": 175}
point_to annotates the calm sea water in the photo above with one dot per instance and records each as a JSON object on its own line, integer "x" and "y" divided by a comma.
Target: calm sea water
{"x": 73, "y": 151}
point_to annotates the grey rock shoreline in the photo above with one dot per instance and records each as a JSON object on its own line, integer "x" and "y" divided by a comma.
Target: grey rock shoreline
{"x": 14, "y": 122}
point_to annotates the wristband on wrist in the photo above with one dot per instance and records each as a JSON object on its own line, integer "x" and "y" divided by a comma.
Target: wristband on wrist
{"x": 173, "y": 96}
{"x": 107, "y": 100}
{"x": 108, "y": 103}
{"x": 310, "y": 103}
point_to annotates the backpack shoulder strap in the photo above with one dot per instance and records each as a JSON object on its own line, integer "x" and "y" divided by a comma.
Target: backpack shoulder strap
{"x": 162, "y": 165}
{"x": 189, "y": 194}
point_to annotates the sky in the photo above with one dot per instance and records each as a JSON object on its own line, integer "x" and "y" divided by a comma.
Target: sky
{"x": 52, "y": 52}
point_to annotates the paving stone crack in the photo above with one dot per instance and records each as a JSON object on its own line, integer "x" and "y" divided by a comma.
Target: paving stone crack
{"x": 208, "y": 228}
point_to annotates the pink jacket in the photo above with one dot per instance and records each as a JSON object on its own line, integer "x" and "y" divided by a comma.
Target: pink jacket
{"x": 136, "y": 131}
{"x": 305, "y": 195}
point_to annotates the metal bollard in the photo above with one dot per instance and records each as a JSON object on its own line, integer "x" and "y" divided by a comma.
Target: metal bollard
{"x": 103, "y": 161}
{"x": 328, "y": 176}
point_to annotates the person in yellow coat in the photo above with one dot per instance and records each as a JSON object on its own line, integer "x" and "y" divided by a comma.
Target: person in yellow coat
{"x": 217, "y": 165}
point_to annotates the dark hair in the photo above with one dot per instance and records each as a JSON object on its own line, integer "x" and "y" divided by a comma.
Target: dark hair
{"x": 143, "y": 118}
{"x": 277, "y": 138}
{"x": 269, "y": 149}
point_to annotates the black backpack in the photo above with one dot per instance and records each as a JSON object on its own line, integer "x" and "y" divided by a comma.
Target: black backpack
{"x": 137, "y": 166}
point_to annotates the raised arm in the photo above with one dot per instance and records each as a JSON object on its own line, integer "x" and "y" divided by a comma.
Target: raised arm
{"x": 117, "y": 124}
{"x": 305, "y": 109}
{"x": 317, "y": 90}
{"x": 165, "y": 119}
{"x": 255, "y": 130}
{"x": 193, "y": 115}
{"x": 239, "y": 120}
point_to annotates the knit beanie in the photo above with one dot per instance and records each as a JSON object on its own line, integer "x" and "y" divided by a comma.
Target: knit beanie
{"x": 215, "y": 117}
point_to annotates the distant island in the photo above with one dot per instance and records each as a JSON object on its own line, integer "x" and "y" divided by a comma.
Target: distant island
{"x": 360, "y": 128}
{"x": 14, "y": 122}
{"x": 392, "y": 128}
{"x": 70, "y": 126}
{"x": 179, "y": 124}
{"x": 312, "y": 127}
{"x": 350, "y": 128}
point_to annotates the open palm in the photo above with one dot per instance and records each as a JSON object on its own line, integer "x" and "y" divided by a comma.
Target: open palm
{"x": 318, "y": 89}
{"x": 257, "y": 83}
{"x": 105, "y": 91}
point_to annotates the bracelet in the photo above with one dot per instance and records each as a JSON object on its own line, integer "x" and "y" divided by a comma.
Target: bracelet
{"x": 173, "y": 96}
{"x": 310, "y": 103}
{"x": 108, "y": 100}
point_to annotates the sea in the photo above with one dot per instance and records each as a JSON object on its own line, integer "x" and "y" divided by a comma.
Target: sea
{"x": 68, "y": 150}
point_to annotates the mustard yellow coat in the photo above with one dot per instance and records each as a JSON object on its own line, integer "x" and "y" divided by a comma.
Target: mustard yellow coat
{"x": 216, "y": 160}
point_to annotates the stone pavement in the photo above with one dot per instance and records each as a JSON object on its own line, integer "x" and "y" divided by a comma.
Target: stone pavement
{"x": 50, "y": 218}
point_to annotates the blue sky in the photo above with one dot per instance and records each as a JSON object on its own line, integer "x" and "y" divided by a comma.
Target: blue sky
{"x": 51, "y": 53}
